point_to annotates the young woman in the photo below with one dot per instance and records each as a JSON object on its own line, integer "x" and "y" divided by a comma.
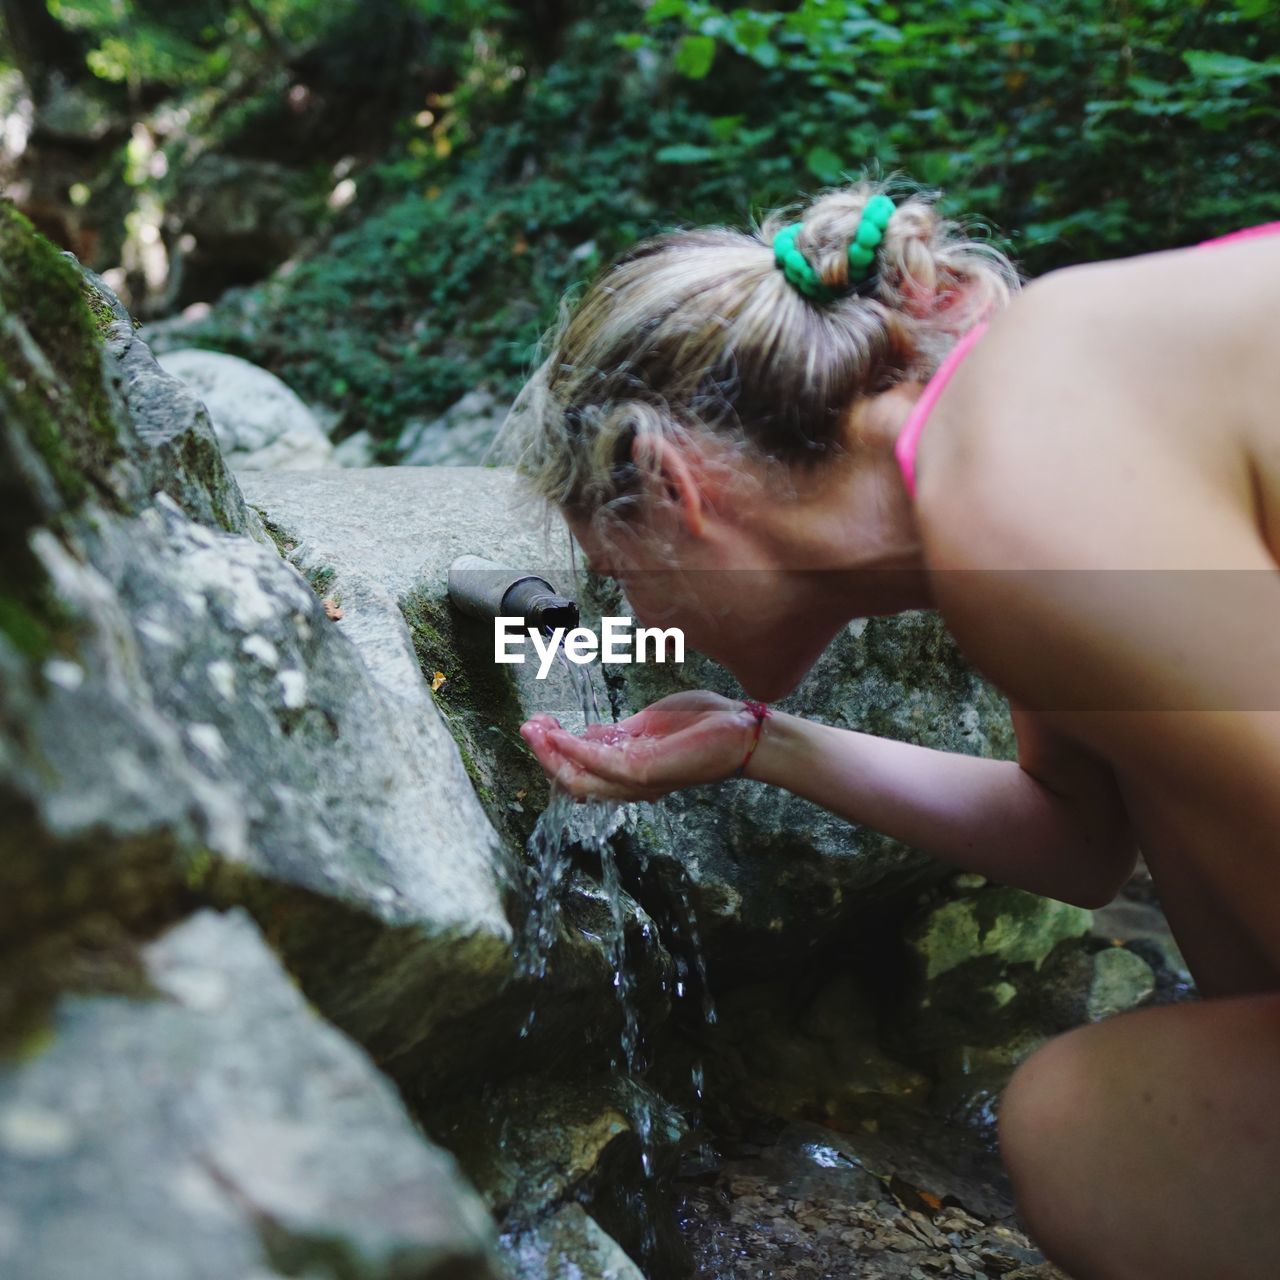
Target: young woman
{"x": 860, "y": 412}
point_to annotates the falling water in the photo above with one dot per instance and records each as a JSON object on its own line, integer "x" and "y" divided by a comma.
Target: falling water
{"x": 589, "y": 825}
{"x": 687, "y": 926}
{"x": 564, "y": 823}
{"x": 548, "y": 862}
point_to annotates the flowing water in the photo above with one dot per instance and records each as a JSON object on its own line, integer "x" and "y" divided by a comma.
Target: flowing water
{"x": 590, "y": 826}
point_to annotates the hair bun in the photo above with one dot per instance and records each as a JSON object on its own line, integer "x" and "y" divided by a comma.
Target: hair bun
{"x": 699, "y": 339}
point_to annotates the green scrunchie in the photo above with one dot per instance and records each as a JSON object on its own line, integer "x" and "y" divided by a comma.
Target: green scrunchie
{"x": 796, "y": 267}
{"x": 862, "y": 251}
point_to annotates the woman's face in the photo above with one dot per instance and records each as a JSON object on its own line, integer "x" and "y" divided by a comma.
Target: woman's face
{"x": 761, "y": 568}
{"x": 767, "y": 625}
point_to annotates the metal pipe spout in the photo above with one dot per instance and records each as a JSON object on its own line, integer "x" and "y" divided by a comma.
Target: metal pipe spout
{"x": 485, "y": 589}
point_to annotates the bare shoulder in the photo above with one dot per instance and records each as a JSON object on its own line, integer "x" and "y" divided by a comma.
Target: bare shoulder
{"x": 1093, "y": 508}
{"x": 1105, "y": 391}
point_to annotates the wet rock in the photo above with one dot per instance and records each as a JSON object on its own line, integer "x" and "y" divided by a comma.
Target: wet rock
{"x": 260, "y": 423}
{"x": 570, "y": 1243}
{"x": 1141, "y": 926}
{"x": 535, "y": 1143}
{"x": 382, "y": 541}
{"x": 218, "y": 1128}
{"x": 999, "y": 971}
{"x": 1006, "y": 924}
{"x": 756, "y": 860}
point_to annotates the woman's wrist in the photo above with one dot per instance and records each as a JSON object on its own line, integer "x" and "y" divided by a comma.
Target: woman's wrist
{"x": 760, "y": 712}
{"x": 781, "y": 739}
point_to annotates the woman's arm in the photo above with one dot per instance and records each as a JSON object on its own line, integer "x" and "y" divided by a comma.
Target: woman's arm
{"x": 1053, "y": 822}
{"x": 1064, "y": 833}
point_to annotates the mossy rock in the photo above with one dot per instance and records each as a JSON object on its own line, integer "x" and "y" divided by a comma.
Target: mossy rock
{"x": 483, "y": 712}
{"x": 58, "y": 430}
{"x": 1005, "y": 924}
{"x": 51, "y": 371}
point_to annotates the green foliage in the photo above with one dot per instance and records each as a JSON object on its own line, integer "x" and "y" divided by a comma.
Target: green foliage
{"x": 694, "y": 56}
{"x": 1094, "y": 130}
{"x": 473, "y": 231}
{"x": 201, "y": 42}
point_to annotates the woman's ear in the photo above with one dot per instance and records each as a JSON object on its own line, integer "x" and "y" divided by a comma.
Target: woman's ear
{"x": 676, "y": 478}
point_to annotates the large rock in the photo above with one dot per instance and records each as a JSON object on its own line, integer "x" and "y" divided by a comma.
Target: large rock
{"x": 381, "y": 541}
{"x": 214, "y": 1127}
{"x": 192, "y": 720}
{"x": 96, "y": 795}
{"x": 1122, "y": 980}
{"x": 570, "y": 1243}
{"x": 1004, "y": 925}
{"x": 993, "y": 973}
{"x": 261, "y": 424}
{"x": 755, "y": 859}
{"x": 536, "y": 1147}
{"x": 183, "y": 722}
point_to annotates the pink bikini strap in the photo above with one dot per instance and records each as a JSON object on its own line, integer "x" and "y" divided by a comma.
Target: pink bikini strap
{"x": 909, "y": 437}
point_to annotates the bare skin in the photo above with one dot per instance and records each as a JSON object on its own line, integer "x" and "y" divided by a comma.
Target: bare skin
{"x": 1098, "y": 522}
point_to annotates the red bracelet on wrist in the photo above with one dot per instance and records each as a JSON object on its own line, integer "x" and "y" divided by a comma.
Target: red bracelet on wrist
{"x": 761, "y": 713}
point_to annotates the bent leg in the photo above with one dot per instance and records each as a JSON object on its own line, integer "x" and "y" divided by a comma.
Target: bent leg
{"x": 1149, "y": 1145}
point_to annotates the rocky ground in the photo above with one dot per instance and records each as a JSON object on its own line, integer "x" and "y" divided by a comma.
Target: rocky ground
{"x": 901, "y": 1192}
{"x": 803, "y": 1203}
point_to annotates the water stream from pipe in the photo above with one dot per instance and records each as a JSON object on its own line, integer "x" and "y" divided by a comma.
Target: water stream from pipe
{"x": 590, "y": 825}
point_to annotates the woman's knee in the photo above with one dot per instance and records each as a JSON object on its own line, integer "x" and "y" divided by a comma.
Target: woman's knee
{"x": 1046, "y": 1093}
{"x": 1051, "y": 1126}
{"x": 1096, "y": 1128}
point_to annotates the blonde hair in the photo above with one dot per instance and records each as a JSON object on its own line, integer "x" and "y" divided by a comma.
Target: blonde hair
{"x": 697, "y": 334}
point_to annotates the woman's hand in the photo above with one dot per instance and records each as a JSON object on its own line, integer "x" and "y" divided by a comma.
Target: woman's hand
{"x": 678, "y": 741}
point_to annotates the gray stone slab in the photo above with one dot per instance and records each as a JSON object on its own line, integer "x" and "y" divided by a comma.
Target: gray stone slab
{"x": 220, "y": 1129}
